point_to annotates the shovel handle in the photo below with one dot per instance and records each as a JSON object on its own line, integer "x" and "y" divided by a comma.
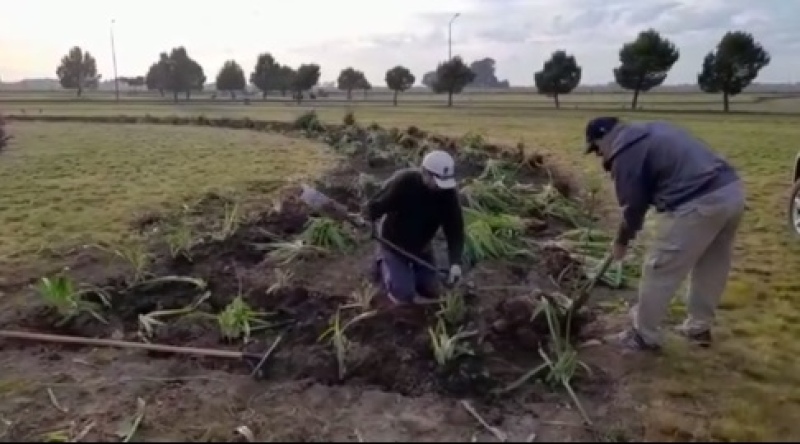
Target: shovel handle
{"x": 586, "y": 291}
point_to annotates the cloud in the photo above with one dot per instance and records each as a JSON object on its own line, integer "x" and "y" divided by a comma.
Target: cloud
{"x": 521, "y": 34}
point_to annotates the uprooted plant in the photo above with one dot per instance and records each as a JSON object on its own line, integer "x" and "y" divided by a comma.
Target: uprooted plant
{"x": 362, "y": 297}
{"x": 588, "y": 247}
{"x": 136, "y": 256}
{"x": 61, "y": 294}
{"x": 446, "y": 347}
{"x": 336, "y": 334}
{"x": 498, "y": 170}
{"x": 150, "y": 321}
{"x": 285, "y": 252}
{"x": 283, "y": 279}
{"x": 325, "y": 233}
{"x": 492, "y": 236}
{"x": 230, "y": 222}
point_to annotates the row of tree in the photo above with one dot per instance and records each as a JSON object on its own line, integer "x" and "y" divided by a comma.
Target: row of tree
{"x": 644, "y": 64}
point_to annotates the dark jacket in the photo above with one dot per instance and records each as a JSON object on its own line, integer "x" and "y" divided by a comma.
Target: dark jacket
{"x": 414, "y": 213}
{"x": 658, "y": 164}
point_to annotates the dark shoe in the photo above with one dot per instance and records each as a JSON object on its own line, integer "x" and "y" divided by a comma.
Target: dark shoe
{"x": 699, "y": 338}
{"x": 631, "y": 341}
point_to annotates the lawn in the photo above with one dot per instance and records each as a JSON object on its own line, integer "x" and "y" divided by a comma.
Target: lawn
{"x": 70, "y": 180}
{"x": 69, "y": 183}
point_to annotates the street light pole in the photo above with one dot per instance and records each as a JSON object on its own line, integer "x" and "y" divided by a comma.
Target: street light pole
{"x": 450, "y": 36}
{"x": 114, "y": 60}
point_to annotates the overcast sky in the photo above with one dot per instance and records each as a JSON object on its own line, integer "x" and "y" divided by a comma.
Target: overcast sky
{"x": 376, "y": 35}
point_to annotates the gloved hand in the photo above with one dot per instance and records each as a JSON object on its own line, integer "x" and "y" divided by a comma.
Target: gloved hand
{"x": 454, "y": 275}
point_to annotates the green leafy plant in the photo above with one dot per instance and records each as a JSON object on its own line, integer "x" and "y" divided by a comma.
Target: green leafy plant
{"x": 453, "y": 309}
{"x": 325, "y": 233}
{"x": 179, "y": 240}
{"x": 501, "y": 171}
{"x": 136, "y": 256}
{"x": 239, "y": 320}
{"x": 492, "y": 236}
{"x": 61, "y": 294}
{"x": 448, "y": 347}
{"x": 336, "y": 335}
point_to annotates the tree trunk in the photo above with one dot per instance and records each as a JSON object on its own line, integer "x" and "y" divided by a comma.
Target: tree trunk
{"x": 80, "y": 91}
{"x": 555, "y": 99}
{"x": 263, "y": 95}
{"x": 635, "y": 100}
{"x": 233, "y": 95}
{"x": 449, "y": 98}
{"x": 349, "y": 94}
{"x": 726, "y": 104}
{"x": 175, "y": 94}
{"x": 162, "y": 92}
{"x": 395, "y": 98}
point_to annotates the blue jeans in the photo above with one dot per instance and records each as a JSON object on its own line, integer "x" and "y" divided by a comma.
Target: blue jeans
{"x": 403, "y": 278}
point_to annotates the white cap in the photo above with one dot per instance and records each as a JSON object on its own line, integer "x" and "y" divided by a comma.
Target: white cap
{"x": 441, "y": 166}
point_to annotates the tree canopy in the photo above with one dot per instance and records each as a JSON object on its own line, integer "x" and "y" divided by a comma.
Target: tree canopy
{"x": 451, "y": 78}
{"x": 303, "y": 79}
{"x": 78, "y": 71}
{"x": 733, "y": 66}
{"x": 559, "y": 75}
{"x": 645, "y": 63}
{"x": 269, "y": 75}
{"x": 350, "y": 79}
{"x": 231, "y": 78}
{"x": 399, "y": 79}
{"x": 485, "y": 77}
{"x": 177, "y": 73}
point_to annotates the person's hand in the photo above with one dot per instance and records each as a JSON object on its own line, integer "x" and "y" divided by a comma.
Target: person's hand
{"x": 618, "y": 251}
{"x": 454, "y": 275}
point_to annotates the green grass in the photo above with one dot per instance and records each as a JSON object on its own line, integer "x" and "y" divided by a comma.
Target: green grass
{"x": 745, "y": 388}
{"x": 67, "y": 183}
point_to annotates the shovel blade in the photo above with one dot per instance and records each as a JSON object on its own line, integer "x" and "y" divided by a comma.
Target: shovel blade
{"x": 314, "y": 198}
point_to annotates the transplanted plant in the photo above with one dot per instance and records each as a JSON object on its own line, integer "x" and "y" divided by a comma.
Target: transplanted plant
{"x": 283, "y": 279}
{"x": 448, "y": 347}
{"x": 336, "y": 335}
{"x": 284, "y": 253}
{"x": 61, "y": 294}
{"x": 230, "y": 222}
{"x": 325, "y": 233}
{"x": 239, "y": 320}
{"x": 179, "y": 240}
{"x": 362, "y": 297}
{"x": 148, "y": 322}
{"x": 453, "y": 309}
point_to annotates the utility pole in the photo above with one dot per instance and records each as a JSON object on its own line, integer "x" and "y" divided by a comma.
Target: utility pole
{"x": 114, "y": 60}
{"x": 450, "y": 36}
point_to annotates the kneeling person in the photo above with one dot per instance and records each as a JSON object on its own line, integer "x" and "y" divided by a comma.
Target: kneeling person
{"x": 414, "y": 203}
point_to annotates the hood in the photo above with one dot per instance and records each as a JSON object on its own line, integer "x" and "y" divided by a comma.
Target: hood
{"x": 623, "y": 136}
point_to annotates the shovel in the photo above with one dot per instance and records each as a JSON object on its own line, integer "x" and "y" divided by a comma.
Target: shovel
{"x": 324, "y": 204}
{"x": 586, "y": 291}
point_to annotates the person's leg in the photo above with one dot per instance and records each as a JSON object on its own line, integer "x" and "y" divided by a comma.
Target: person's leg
{"x": 710, "y": 274}
{"x": 397, "y": 276}
{"x": 427, "y": 282}
{"x": 681, "y": 239}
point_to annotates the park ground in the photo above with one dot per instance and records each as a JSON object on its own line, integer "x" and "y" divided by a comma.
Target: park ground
{"x": 68, "y": 184}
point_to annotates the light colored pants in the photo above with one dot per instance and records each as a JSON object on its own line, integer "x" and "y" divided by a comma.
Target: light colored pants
{"x": 695, "y": 239}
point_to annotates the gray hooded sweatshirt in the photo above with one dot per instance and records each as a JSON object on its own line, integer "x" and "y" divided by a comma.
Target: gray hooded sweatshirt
{"x": 659, "y": 164}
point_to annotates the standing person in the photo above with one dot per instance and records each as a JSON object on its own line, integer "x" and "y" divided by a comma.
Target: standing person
{"x": 701, "y": 201}
{"x": 413, "y": 204}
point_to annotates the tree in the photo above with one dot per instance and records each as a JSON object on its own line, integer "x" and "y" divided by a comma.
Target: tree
{"x": 349, "y": 80}
{"x": 559, "y": 75}
{"x": 303, "y": 79}
{"x": 451, "y": 78}
{"x": 733, "y": 66}
{"x": 78, "y": 70}
{"x": 645, "y": 63}
{"x": 285, "y": 78}
{"x": 399, "y": 79}
{"x": 485, "y": 77}
{"x": 231, "y": 78}
{"x": 156, "y": 78}
{"x": 364, "y": 85}
{"x": 177, "y": 73}
{"x": 266, "y": 75}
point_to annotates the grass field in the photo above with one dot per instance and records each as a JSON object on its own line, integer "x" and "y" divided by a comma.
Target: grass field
{"x": 64, "y": 182}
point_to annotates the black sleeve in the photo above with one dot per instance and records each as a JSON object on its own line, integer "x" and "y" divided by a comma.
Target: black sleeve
{"x": 453, "y": 227}
{"x": 387, "y": 198}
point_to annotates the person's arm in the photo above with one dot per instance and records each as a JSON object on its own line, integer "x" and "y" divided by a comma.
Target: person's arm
{"x": 634, "y": 192}
{"x": 453, "y": 228}
{"x": 388, "y": 196}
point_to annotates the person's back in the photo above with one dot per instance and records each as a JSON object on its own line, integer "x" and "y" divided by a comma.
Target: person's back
{"x": 677, "y": 166}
